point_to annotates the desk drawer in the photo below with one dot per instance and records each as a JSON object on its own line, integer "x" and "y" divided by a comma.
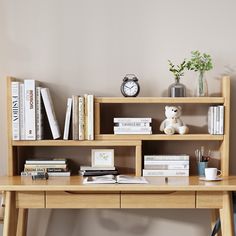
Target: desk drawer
{"x": 82, "y": 200}
{"x": 209, "y": 200}
{"x": 158, "y": 200}
{"x": 30, "y": 200}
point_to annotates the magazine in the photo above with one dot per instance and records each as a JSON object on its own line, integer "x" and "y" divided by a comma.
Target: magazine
{"x": 111, "y": 179}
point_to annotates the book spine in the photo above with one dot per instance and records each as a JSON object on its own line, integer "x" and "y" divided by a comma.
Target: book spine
{"x": 45, "y": 166}
{"x": 165, "y": 172}
{"x": 15, "y": 93}
{"x": 215, "y": 120}
{"x": 222, "y": 108}
{"x": 39, "y": 115}
{"x": 86, "y": 116}
{"x": 90, "y": 117}
{"x": 48, "y": 104}
{"x": 22, "y": 111}
{"x": 30, "y": 126}
{"x": 59, "y": 174}
{"x": 133, "y": 132}
{"x": 166, "y": 158}
{"x": 166, "y": 167}
{"x": 42, "y": 169}
{"x": 212, "y": 120}
{"x": 81, "y": 118}
{"x": 67, "y": 119}
{"x": 166, "y": 162}
{"x": 132, "y": 124}
{"x": 125, "y": 120}
{"x": 132, "y": 129}
{"x": 218, "y": 120}
{"x": 75, "y": 118}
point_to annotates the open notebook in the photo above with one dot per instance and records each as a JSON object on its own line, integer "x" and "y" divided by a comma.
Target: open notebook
{"x": 111, "y": 179}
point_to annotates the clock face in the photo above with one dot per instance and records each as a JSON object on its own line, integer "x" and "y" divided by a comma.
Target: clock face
{"x": 130, "y": 88}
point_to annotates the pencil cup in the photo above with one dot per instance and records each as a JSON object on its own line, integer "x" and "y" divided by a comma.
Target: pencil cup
{"x": 201, "y": 167}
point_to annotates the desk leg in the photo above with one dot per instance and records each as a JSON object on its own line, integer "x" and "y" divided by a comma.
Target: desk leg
{"x": 215, "y": 214}
{"x": 22, "y": 222}
{"x": 10, "y": 216}
{"x": 226, "y": 215}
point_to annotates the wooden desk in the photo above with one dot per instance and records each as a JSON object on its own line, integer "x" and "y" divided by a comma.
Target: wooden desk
{"x": 62, "y": 192}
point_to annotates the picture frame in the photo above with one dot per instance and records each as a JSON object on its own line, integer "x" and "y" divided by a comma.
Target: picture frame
{"x": 102, "y": 157}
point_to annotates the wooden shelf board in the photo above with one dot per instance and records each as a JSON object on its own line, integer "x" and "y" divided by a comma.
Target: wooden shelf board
{"x": 185, "y": 137}
{"x": 197, "y": 100}
{"x": 70, "y": 143}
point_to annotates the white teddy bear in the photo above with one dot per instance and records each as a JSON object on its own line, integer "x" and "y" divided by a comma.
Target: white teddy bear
{"x": 173, "y": 124}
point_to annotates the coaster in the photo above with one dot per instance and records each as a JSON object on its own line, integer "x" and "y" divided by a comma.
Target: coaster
{"x": 217, "y": 179}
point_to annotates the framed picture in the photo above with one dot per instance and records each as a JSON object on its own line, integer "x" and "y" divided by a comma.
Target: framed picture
{"x": 102, "y": 157}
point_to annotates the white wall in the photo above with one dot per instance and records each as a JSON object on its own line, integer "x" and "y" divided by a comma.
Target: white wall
{"x": 79, "y": 46}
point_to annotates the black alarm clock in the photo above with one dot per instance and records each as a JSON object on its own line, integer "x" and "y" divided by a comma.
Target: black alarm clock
{"x": 130, "y": 86}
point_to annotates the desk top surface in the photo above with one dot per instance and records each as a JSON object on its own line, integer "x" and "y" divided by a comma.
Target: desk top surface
{"x": 74, "y": 183}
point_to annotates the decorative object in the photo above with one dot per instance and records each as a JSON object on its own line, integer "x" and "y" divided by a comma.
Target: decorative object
{"x": 130, "y": 86}
{"x": 102, "y": 157}
{"x": 173, "y": 124}
{"x": 177, "y": 89}
{"x": 201, "y": 63}
{"x": 201, "y": 167}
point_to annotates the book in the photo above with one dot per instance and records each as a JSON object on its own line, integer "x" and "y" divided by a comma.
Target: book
{"x": 86, "y": 116}
{"x": 215, "y": 120}
{"x": 15, "y": 108}
{"x": 167, "y": 167}
{"x": 59, "y": 174}
{"x": 90, "y": 120}
{"x": 97, "y": 172}
{"x": 132, "y": 129}
{"x": 132, "y": 124}
{"x": 166, "y": 158}
{"x": 30, "y": 109}
{"x": 45, "y": 169}
{"x": 81, "y": 118}
{"x": 125, "y": 120}
{"x": 55, "y": 161}
{"x": 75, "y": 117}
{"x": 22, "y": 111}
{"x": 67, "y": 119}
{"x": 133, "y": 132}
{"x": 48, "y": 104}
{"x": 39, "y": 114}
{"x": 111, "y": 179}
{"x": 221, "y": 129}
{"x": 96, "y": 168}
{"x": 165, "y": 172}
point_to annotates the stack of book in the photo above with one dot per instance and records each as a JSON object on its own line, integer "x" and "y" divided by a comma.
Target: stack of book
{"x": 97, "y": 171}
{"x": 216, "y": 119}
{"x": 166, "y": 165}
{"x": 27, "y": 111}
{"x": 54, "y": 167}
{"x": 80, "y": 112}
{"x": 132, "y": 126}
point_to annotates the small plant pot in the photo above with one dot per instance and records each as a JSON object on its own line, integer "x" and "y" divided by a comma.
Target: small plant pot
{"x": 177, "y": 89}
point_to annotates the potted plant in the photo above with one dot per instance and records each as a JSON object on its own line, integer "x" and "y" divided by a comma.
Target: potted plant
{"x": 177, "y": 89}
{"x": 200, "y": 62}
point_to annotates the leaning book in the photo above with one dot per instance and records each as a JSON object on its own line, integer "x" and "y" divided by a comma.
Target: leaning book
{"x": 111, "y": 179}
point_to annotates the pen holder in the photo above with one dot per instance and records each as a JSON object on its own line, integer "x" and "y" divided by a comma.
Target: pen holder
{"x": 201, "y": 167}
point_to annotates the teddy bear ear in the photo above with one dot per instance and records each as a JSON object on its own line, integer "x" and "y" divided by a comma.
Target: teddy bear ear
{"x": 180, "y": 108}
{"x": 166, "y": 107}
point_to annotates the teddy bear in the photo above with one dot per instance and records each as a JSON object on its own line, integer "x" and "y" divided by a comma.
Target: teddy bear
{"x": 173, "y": 124}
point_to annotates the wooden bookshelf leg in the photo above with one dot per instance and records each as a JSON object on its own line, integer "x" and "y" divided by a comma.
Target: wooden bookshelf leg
{"x": 226, "y": 215}
{"x": 22, "y": 222}
{"x": 9, "y": 227}
{"x": 215, "y": 214}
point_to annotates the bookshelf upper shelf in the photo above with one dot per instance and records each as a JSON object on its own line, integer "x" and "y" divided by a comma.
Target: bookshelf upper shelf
{"x": 197, "y": 100}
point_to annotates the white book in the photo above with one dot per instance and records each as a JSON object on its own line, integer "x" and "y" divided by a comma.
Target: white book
{"x": 121, "y": 119}
{"x": 85, "y": 168}
{"x": 215, "y": 120}
{"x": 165, "y": 172}
{"x": 22, "y": 111}
{"x": 48, "y": 104}
{"x": 39, "y": 114}
{"x": 132, "y": 129}
{"x": 46, "y": 162}
{"x": 222, "y": 115}
{"x": 15, "y": 95}
{"x": 166, "y": 162}
{"x": 132, "y": 124}
{"x": 90, "y": 117}
{"x": 59, "y": 174}
{"x": 75, "y": 117}
{"x": 111, "y": 179}
{"x": 30, "y": 109}
{"x": 67, "y": 119}
{"x": 166, "y": 167}
{"x": 86, "y": 116}
{"x": 133, "y": 132}
{"x": 166, "y": 158}
{"x": 81, "y": 118}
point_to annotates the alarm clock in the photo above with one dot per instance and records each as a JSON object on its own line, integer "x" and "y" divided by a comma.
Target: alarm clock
{"x": 130, "y": 86}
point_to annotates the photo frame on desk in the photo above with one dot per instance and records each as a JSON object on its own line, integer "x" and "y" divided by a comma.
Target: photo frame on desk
{"x": 102, "y": 157}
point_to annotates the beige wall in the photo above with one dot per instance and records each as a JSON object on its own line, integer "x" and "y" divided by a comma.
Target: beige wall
{"x": 80, "y": 46}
